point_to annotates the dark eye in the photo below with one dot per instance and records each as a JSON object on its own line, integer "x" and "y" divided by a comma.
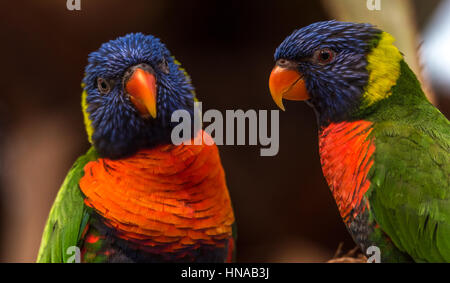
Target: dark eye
{"x": 104, "y": 87}
{"x": 164, "y": 66}
{"x": 282, "y": 62}
{"x": 324, "y": 56}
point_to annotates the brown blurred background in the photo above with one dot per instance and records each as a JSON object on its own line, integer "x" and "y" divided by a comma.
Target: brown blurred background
{"x": 283, "y": 207}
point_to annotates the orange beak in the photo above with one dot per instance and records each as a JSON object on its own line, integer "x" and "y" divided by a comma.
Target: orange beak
{"x": 286, "y": 84}
{"x": 142, "y": 90}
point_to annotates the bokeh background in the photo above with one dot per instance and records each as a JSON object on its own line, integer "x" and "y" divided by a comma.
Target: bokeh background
{"x": 284, "y": 210}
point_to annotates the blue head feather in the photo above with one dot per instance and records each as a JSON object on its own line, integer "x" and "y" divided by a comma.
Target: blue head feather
{"x": 119, "y": 129}
{"x": 335, "y": 88}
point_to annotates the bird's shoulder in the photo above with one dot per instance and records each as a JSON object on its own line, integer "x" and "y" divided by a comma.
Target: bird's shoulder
{"x": 67, "y": 217}
{"x": 410, "y": 184}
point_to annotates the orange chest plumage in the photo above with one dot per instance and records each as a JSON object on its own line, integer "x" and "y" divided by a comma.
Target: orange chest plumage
{"x": 175, "y": 196}
{"x": 346, "y": 151}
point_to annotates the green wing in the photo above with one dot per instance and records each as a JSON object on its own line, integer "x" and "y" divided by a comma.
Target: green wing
{"x": 410, "y": 191}
{"x": 68, "y": 216}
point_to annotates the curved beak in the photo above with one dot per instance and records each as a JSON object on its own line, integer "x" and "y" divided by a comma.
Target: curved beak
{"x": 141, "y": 86}
{"x": 285, "y": 83}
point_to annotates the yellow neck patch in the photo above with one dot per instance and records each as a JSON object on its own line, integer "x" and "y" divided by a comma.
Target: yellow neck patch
{"x": 384, "y": 70}
{"x": 87, "y": 121}
{"x": 186, "y": 75}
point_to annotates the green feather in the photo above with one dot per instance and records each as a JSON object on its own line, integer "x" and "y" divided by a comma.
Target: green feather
{"x": 410, "y": 178}
{"x": 68, "y": 216}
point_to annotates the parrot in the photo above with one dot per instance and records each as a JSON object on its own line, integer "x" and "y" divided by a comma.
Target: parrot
{"x": 135, "y": 196}
{"x": 384, "y": 148}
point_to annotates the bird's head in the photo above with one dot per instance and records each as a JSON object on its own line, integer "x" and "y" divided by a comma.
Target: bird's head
{"x": 131, "y": 87}
{"x": 339, "y": 68}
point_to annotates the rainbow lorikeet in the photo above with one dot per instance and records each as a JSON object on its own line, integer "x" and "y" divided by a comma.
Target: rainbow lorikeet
{"x": 135, "y": 196}
{"x": 384, "y": 148}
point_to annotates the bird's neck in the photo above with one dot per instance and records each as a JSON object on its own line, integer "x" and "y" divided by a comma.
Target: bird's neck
{"x": 383, "y": 66}
{"x": 180, "y": 189}
{"x": 405, "y": 101}
{"x": 346, "y": 150}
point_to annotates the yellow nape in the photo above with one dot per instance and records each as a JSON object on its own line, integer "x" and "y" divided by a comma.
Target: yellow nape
{"x": 87, "y": 121}
{"x": 178, "y": 63}
{"x": 384, "y": 70}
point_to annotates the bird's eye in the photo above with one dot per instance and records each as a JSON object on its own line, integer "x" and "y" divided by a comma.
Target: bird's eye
{"x": 282, "y": 62}
{"x": 104, "y": 87}
{"x": 164, "y": 66}
{"x": 324, "y": 56}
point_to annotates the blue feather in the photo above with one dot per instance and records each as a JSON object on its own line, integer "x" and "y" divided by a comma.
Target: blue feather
{"x": 119, "y": 130}
{"x": 335, "y": 88}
